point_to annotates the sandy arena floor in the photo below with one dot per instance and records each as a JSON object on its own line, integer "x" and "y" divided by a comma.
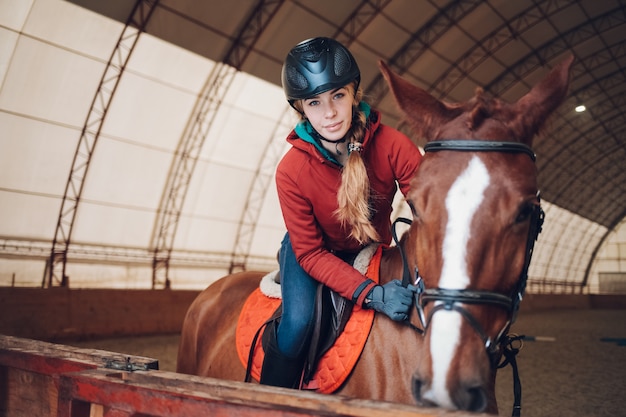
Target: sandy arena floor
{"x": 580, "y": 373}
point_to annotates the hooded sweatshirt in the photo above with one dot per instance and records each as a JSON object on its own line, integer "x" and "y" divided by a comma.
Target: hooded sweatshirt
{"x": 308, "y": 180}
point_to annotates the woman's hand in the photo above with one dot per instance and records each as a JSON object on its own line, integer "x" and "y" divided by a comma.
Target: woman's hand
{"x": 392, "y": 299}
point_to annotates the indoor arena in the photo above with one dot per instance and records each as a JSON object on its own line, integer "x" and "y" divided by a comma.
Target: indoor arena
{"x": 434, "y": 191}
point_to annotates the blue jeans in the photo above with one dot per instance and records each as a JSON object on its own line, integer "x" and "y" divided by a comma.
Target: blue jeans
{"x": 298, "y": 291}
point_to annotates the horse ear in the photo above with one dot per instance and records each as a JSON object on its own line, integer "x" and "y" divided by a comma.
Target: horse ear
{"x": 534, "y": 108}
{"x": 422, "y": 111}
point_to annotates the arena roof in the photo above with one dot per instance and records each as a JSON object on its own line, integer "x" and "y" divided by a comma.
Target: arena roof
{"x": 140, "y": 137}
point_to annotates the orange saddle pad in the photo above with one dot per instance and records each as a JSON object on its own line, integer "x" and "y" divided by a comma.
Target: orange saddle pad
{"x": 337, "y": 362}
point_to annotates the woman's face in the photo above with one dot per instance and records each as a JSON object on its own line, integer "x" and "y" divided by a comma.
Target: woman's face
{"x": 330, "y": 113}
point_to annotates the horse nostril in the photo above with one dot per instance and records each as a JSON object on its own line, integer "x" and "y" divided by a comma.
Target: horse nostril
{"x": 477, "y": 400}
{"x": 417, "y": 389}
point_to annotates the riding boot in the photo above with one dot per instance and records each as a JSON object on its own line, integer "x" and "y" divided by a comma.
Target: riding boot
{"x": 279, "y": 370}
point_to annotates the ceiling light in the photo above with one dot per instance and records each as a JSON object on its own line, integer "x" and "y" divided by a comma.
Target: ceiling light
{"x": 580, "y": 109}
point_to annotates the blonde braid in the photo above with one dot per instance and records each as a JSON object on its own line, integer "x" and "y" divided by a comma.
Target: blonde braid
{"x": 354, "y": 192}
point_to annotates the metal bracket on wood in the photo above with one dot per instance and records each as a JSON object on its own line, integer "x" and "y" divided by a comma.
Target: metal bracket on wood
{"x": 127, "y": 365}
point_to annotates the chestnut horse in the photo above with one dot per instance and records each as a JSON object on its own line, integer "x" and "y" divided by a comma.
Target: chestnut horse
{"x": 476, "y": 215}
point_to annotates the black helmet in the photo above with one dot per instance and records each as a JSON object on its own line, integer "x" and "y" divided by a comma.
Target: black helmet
{"x": 317, "y": 65}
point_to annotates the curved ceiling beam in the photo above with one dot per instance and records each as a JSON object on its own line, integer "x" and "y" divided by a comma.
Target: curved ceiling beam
{"x": 507, "y": 32}
{"x": 538, "y": 57}
{"x": 555, "y": 47}
{"x": 608, "y": 184}
{"x": 198, "y": 127}
{"x": 567, "y": 41}
{"x": 419, "y": 43}
{"x": 54, "y": 274}
{"x": 611, "y": 20}
{"x": 594, "y": 92}
{"x": 599, "y": 127}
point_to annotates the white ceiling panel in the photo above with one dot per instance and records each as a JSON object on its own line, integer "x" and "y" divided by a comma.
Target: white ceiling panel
{"x": 239, "y": 139}
{"x": 13, "y": 13}
{"x": 8, "y": 42}
{"x": 127, "y": 174}
{"x": 169, "y": 64}
{"x": 104, "y": 224}
{"x": 73, "y": 28}
{"x": 220, "y": 192}
{"x": 148, "y": 112}
{"x": 31, "y": 216}
{"x": 50, "y": 83}
{"x": 36, "y": 155}
{"x": 206, "y": 235}
{"x": 256, "y": 96}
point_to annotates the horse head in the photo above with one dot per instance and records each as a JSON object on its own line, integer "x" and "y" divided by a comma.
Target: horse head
{"x": 475, "y": 210}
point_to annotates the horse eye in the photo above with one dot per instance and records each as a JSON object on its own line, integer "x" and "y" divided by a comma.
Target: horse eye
{"x": 524, "y": 213}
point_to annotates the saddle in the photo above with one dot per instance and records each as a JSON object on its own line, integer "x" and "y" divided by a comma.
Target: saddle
{"x": 329, "y": 345}
{"x": 332, "y": 313}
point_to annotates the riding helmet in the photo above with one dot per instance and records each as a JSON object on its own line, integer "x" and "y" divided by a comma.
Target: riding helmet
{"x": 317, "y": 65}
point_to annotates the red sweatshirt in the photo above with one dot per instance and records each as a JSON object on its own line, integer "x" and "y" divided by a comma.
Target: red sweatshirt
{"x": 308, "y": 183}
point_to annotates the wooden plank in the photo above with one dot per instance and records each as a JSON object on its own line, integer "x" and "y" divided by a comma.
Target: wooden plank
{"x": 165, "y": 394}
{"x": 52, "y": 358}
{"x": 48, "y": 380}
{"x": 26, "y": 394}
{"x": 28, "y": 369}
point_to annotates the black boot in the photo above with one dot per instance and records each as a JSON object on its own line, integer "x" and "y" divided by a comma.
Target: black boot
{"x": 279, "y": 370}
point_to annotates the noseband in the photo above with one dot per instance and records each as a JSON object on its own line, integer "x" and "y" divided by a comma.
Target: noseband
{"x": 458, "y": 299}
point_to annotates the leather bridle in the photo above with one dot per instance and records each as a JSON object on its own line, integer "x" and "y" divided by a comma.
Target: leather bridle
{"x": 458, "y": 299}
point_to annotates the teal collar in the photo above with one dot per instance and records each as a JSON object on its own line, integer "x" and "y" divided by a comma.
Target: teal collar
{"x": 305, "y": 131}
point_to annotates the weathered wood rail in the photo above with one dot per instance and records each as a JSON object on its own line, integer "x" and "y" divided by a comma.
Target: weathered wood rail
{"x": 29, "y": 370}
{"x": 44, "y": 379}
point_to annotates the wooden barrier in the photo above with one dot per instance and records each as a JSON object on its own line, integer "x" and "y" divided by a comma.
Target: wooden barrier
{"x": 61, "y": 314}
{"x": 44, "y": 379}
{"x": 28, "y": 369}
{"x": 168, "y": 394}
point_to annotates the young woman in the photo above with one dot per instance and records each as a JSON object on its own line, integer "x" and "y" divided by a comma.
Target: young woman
{"x": 336, "y": 186}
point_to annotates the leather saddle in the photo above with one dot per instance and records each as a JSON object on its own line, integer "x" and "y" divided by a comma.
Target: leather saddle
{"x": 332, "y": 312}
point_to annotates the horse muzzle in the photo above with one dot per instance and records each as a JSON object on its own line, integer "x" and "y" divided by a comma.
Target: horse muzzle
{"x": 468, "y": 396}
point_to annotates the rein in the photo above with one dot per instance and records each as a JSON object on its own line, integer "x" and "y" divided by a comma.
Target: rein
{"x": 455, "y": 299}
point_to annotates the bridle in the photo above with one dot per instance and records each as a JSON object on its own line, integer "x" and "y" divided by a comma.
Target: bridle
{"x": 458, "y": 299}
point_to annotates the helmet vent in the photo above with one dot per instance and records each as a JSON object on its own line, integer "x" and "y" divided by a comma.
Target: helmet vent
{"x": 296, "y": 80}
{"x": 342, "y": 62}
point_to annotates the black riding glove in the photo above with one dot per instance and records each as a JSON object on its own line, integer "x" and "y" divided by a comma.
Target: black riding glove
{"x": 392, "y": 299}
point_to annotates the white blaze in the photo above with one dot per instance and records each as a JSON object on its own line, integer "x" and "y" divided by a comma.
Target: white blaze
{"x": 462, "y": 202}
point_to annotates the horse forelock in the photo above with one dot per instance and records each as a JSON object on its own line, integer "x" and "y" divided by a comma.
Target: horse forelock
{"x": 481, "y": 117}
{"x": 489, "y": 118}
{"x": 477, "y": 110}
